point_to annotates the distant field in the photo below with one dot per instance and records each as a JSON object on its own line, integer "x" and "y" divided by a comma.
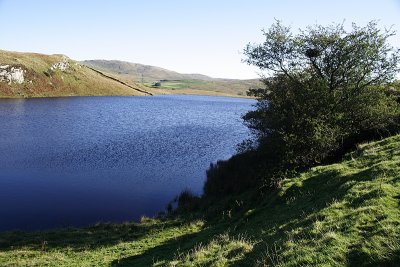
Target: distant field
{"x": 180, "y": 84}
{"x": 219, "y": 87}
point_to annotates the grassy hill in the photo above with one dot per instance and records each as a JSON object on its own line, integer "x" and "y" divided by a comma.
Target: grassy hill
{"x": 38, "y": 75}
{"x": 344, "y": 214}
{"x": 172, "y": 82}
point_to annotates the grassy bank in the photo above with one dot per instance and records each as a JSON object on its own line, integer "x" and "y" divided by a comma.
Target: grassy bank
{"x": 344, "y": 214}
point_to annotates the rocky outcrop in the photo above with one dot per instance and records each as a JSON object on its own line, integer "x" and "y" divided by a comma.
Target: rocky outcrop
{"x": 11, "y": 74}
{"x": 62, "y": 65}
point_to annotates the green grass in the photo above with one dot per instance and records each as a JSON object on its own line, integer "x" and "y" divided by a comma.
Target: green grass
{"x": 100, "y": 245}
{"x": 206, "y": 87}
{"x": 344, "y": 214}
{"x": 181, "y": 84}
{"x": 178, "y": 84}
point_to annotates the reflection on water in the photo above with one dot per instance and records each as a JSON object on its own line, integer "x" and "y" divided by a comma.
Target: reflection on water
{"x": 77, "y": 161}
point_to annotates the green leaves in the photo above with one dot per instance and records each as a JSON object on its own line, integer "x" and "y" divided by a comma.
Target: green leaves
{"x": 358, "y": 58}
{"x": 328, "y": 89}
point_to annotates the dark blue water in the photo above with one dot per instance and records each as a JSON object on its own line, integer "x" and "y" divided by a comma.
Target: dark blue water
{"x": 78, "y": 161}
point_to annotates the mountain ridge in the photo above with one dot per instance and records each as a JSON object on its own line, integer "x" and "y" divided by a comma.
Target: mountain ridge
{"x": 149, "y": 71}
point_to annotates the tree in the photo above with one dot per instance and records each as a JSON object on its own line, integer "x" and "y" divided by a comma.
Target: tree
{"x": 327, "y": 89}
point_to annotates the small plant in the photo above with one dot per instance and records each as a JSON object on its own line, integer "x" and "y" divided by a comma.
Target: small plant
{"x": 44, "y": 246}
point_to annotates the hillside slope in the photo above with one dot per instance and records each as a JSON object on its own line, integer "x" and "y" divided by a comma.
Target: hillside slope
{"x": 345, "y": 214}
{"x": 171, "y": 81}
{"x": 38, "y": 75}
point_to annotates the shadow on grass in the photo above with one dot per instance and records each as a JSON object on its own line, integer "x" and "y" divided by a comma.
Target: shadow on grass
{"x": 358, "y": 258}
{"x": 279, "y": 212}
{"x": 296, "y": 212}
{"x": 170, "y": 250}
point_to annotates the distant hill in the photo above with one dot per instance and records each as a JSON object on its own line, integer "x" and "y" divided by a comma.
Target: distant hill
{"x": 38, "y": 75}
{"x": 171, "y": 81}
{"x": 138, "y": 71}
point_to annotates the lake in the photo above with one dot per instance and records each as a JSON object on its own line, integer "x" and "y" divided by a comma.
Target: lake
{"x": 81, "y": 160}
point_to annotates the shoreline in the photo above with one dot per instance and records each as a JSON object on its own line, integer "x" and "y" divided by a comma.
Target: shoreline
{"x": 208, "y": 93}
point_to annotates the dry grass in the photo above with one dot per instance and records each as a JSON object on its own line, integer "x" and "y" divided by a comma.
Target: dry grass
{"x": 40, "y": 81}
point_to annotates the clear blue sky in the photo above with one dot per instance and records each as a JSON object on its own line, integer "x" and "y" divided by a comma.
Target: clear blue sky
{"x": 189, "y": 36}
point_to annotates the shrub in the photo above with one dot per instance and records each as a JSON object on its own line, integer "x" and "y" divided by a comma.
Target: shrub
{"x": 226, "y": 177}
{"x": 187, "y": 201}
